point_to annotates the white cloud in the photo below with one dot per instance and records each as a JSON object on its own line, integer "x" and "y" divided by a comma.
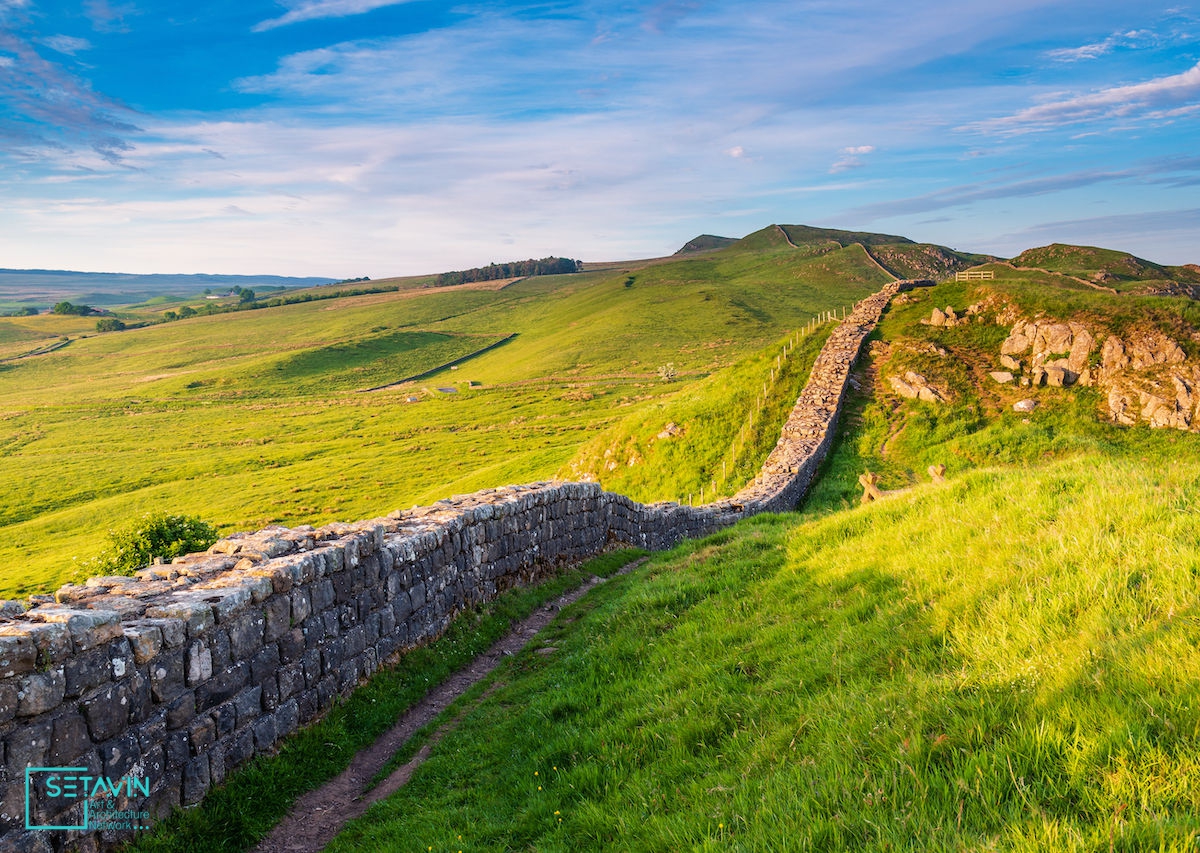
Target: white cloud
{"x": 1129, "y": 39}
{"x": 7, "y": 61}
{"x": 737, "y": 152}
{"x": 851, "y": 158}
{"x": 313, "y": 10}
{"x": 66, "y": 44}
{"x": 1155, "y": 98}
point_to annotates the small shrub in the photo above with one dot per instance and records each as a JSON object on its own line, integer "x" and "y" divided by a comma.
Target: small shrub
{"x": 109, "y": 324}
{"x": 154, "y": 535}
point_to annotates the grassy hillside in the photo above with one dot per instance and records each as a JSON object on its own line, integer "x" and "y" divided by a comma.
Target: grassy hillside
{"x": 1007, "y": 661}
{"x": 899, "y": 439}
{"x": 983, "y": 665}
{"x": 256, "y": 417}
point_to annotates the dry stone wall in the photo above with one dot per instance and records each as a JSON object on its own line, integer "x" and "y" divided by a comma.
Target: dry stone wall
{"x": 156, "y": 687}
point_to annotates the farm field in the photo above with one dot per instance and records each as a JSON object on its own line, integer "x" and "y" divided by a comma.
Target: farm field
{"x": 258, "y": 417}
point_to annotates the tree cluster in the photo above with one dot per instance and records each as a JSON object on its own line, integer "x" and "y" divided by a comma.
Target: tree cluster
{"x": 514, "y": 269}
{"x": 70, "y": 308}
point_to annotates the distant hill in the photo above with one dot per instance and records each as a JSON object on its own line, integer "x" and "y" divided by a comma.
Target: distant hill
{"x": 706, "y": 243}
{"x": 925, "y": 260}
{"x": 103, "y": 288}
{"x": 1111, "y": 267}
{"x": 799, "y": 235}
{"x": 898, "y": 255}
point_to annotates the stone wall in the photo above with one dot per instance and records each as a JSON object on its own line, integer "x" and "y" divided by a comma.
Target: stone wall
{"x": 176, "y": 677}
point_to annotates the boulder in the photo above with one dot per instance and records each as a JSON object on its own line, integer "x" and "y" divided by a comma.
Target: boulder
{"x": 1007, "y": 361}
{"x": 1001, "y": 376}
{"x": 1024, "y": 405}
{"x": 1081, "y": 350}
{"x": 1053, "y": 338}
{"x": 902, "y": 388}
{"x": 1018, "y": 341}
{"x": 1057, "y": 376}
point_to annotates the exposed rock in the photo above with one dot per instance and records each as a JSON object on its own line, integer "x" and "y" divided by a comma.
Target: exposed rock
{"x": 1081, "y": 349}
{"x": 1057, "y": 376}
{"x": 1053, "y": 338}
{"x": 1001, "y": 376}
{"x": 1153, "y": 347}
{"x": 670, "y": 431}
{"x": 1017, "y": 342}
{"x": 1011, "y": 363}
{"x": 937, "y": 318}
{"x": 1024, "y": 405}
{"x": 914, "y": 386}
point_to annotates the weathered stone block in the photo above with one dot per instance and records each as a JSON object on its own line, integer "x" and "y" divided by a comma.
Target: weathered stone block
{"x": 195, "y": 614}
{"x": 287, "y": 718}
{"x": 181, "y": 710}
{"x": 199, "y": 663}
{"x": 264, "y": 732}
{"x": 8, "y": 701}
{"x": 221, "y": 686}
{"x": 18, "y": 653}
{"x": 106, "y": 710}
{"x": 264, "y": 664}
{"x": 291, "y": 646}
{"x": 277, "y": 615}
{"x": 120, "y": 755}
{"x": 201, "y": 733}
{"x": 27, "y": 746}
{"x": 70, "y": 738}
{"x": 321, "y": 595}
{"x": 301, "y": 606}
{"x": 40, "y": 692}
{"x": 248, "y": 705}
{"x": 246, "y": 635}
{"x": 144, "y": 640}
{"x": 195, "y": 780}
{"x": 168, "y": 674}
{"x": 226, "y": 718}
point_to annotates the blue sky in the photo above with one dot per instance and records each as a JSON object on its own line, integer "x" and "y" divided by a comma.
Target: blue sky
{"x": 374, "y": 137}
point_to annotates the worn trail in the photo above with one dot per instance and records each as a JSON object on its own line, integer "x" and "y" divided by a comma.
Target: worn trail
{"x": 320, "y": 814}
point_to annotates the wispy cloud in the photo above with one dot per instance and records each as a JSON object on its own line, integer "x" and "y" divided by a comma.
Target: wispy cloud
{"x": 54, "y": 109}
{"x": 314, "y": 10}
{"x": 1129, "y": 39}
{"x": 109, "y": 18}
{"x": 851, "y": 158}
{"x": 69, "y": 45}
{"x": 1169, "y": 171}
{"x": 1161, "y": 97}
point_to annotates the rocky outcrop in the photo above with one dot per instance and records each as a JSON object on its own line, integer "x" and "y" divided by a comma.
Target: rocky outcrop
{"x": 914, "y": 386}
{"x": 950, "y": 317}
{"x": 1049, "y": 353}
{"x": 1145, "y": 377}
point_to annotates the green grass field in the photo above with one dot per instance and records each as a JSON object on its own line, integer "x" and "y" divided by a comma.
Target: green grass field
{"x": 1007, "y": 661}
{"x": 984, "y": 665}
{"x": 257, "y": 417}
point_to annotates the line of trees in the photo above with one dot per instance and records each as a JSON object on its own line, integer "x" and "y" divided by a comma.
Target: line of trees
{"x": 514, "y": 269}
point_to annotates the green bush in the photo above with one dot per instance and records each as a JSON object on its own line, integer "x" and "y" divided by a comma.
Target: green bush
{"x": 109, "y": 324}
{"x": 154, "y": 535}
